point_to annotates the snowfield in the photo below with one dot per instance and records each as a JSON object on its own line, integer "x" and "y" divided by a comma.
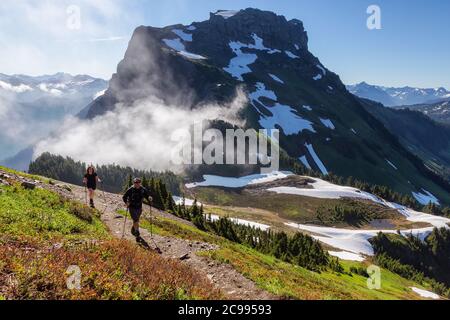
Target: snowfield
{"x": 343, "y": 255}
{"x": 253, "y": 224}
{"x": 239, "y": 65}
{"x": 356, "y": 241}
{"x": 353, "y": 243}
{"x": 230, "y": 182}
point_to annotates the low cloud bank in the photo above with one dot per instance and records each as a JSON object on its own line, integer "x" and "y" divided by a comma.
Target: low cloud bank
{"x": 138, "y": 136}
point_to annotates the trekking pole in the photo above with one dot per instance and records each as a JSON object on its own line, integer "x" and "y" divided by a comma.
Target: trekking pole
{"x": 151, "y": 230}
{"x": 104, "y": 198}
{"x": 124, "y": 223}
{"x": 85, "y": 195}
{"x": 151, "y": 221}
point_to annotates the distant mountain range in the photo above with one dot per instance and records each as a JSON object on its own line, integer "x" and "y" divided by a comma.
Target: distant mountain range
{"x": 32, "y": 106}
{"x": 438, "y": 111}
{"x": 404, "y": 96}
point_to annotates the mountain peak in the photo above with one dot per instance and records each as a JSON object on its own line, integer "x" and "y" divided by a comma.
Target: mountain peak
{"x": 266, "y": 24}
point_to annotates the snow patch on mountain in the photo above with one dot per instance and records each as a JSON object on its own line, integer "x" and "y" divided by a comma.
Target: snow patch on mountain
{"x": 305, "y": 162}
{"x": 391, "y": 164}
{"x": 317, "y": 77}
{"x": 348, "y": 256}
{"x": 282, "y": 115}
{"x": 316, "y": 158}
{"x": 327, "y": 123}
{"x": 324, "y": 72}
{"x": 226, "y": 14}
{"x": 425, "y": 197}
{"x": 286, "y": 118}
{"x": 291, "y": 55}
{"x": 239, "y": 65}
{"x": 261, "y": 91}
{"x": 231, "y": 182}
{"x": 183, "y": 35}
{"x": 99, "y": 94}
{"x": 274, "y": 77}
{"x": 325, "y": 190}
{"x": 179, "y": 47}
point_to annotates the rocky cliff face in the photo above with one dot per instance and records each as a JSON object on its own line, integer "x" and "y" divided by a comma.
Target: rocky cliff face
{"x": 322, "y": 125}
{"x": 189, "y": 61}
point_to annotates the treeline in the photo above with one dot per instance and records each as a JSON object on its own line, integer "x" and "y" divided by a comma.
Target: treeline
{"x": 383, "y": 192}
{"x": 437, "y": 210}
{"x": 112, "y": 176}
{"x": 416, "y": 259}
{"x": 349, "y": 211}
{"x": 299, "y": 249}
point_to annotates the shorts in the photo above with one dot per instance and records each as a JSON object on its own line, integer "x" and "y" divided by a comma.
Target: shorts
{"x": 93, "y": 187}
{"x": 135, "y": 214}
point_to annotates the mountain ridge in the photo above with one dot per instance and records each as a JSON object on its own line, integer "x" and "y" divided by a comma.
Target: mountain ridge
{"x": 398, "y": 96}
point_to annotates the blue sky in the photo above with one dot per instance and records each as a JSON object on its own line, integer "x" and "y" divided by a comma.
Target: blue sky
{"x": 412, "y": 48}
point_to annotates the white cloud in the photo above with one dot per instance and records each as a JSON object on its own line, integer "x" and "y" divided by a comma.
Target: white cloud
{"x": 136, "y": 136}
{"x": 17, "y": 89}
{"x": 35, "y": 38}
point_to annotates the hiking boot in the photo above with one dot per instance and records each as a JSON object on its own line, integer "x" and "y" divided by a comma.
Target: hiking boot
{"x": 92, "y": 203}
{"x": 135, "y": 233}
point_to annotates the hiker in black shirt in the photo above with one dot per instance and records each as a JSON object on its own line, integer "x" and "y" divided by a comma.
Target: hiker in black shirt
{"x": 90, "y": 181}
{"x": 134, "y": 198}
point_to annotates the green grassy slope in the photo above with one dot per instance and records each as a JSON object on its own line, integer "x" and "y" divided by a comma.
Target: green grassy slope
{"x": 42, "y": 234}
{"x": 287, "y": 280}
